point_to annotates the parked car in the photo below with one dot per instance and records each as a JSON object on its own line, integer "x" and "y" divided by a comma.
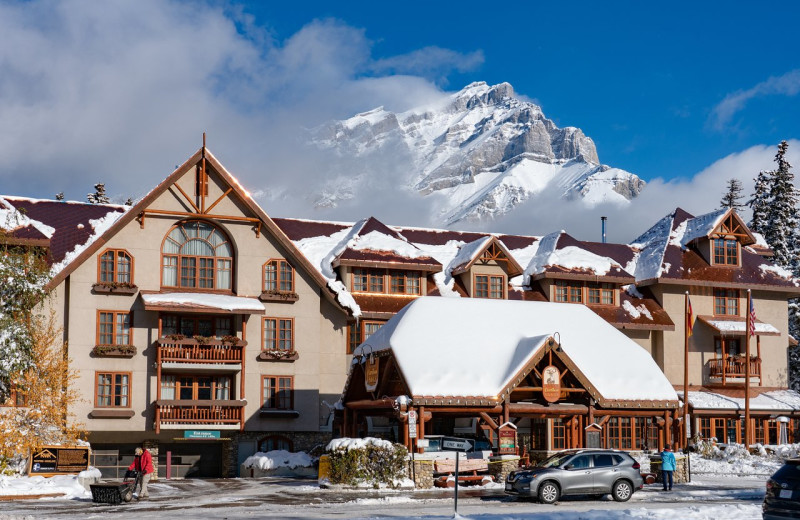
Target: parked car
{"x": 782, "y": 499}
{"x": 579, "y": 472}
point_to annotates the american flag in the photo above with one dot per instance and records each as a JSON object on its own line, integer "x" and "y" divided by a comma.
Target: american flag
{"x": 752, "y": 318}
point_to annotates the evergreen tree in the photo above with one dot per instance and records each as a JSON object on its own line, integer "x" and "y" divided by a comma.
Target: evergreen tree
{"x": 733, "y": 197}
{"x": 99, "y": 196}
{"x": 60, "y": 195}
{"x": 780, "y": 232}
{"x": 760, "y": 203}
{"x": 129, "y": 202}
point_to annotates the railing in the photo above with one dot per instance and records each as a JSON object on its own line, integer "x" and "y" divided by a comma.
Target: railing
{"x": 733, "y": 367}
{"x": 192, "y": 351}
{"x": 192, "y": 413}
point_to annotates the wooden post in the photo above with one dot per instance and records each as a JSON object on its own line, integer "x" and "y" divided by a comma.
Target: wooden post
{"x": 242, "y": 373}
{"x": 685, "y": 410}
{"x": 421, "y": 425}
{"x": 758, "y": 355}
{"x": 667, "y": 425}
{"x": 747, "y": 436}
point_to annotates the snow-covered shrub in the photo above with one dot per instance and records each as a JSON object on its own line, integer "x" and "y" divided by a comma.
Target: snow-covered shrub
{"x": 370, "y": 461}
{"x": 279, "y": 459}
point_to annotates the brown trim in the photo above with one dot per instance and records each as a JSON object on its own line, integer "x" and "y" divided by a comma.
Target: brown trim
{"x": 584, "y": 285}
{"x": 417, "y": 266}
{"x": 387, "y": 281}
{"x": 503, "y": 284}
{"x": 708, "y": 283}
{"x": 178, "y": 256}
{"x": 277, "y": 388}
{"x": 232, "y": 403}
{"x": 104, "y": 413}
{"x": 277, "y": 319}
{"x": 114, "y": 341}
{"x": 493, "y": 251}
{"x": 114, "y": 271}
{"x": 278, "y": 280}
{"x": 112, "y": 395}
{"x": 715, "y": 295}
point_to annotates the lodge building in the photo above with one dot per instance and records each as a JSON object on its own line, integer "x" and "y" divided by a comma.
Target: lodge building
{"x": 209, "y": 330}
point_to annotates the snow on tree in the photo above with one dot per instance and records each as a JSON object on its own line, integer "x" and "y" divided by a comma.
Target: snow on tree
{"x": 60, "y": 195}
{"x": 129, "y": 201}
{"x": 733, "y": 196}
{"x": 760, "y": 203}
{"x": 781, "y": 230}
{"x": 99, "y": 196}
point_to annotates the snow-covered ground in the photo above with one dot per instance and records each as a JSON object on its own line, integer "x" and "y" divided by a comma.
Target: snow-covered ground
{"x": 731, "y": 485}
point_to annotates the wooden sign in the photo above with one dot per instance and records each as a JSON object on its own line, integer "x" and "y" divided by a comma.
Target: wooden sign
{"x": 58, "y": 460}
{"x": 371, "y": 374}
{"x": 551, "y": 384}
{"x": 507, "y": 440}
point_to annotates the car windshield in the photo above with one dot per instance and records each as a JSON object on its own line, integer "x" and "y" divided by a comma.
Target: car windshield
{"x": 556, "y": 460}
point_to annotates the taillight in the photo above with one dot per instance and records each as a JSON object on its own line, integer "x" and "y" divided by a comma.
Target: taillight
{"x": 636, "y": 465}
{"x": 772, "y": 488}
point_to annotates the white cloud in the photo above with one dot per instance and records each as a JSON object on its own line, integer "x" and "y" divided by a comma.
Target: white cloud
{"x": 785, "y": 85}
{"x": 122, "y": 94}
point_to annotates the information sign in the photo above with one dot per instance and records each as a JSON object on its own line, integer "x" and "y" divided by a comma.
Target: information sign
{"x": 58, "y": 460}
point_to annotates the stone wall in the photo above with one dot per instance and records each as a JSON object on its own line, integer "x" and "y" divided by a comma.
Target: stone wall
{"x": 421, "y": 472}
{"x": 301, "y": 441}
{"x": 501, "y": 465}
{"x": 681, "y": 474}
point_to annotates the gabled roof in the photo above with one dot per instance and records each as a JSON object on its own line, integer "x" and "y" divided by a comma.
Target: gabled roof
{"x": 470, "y": 253}
{"x": 666, "y": 255}
{"x": 561, "y": 256}
{"x": 102, "y": 236}
{"x": 443, "y": 348}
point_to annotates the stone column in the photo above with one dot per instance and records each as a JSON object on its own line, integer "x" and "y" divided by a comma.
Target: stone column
{"x": 501, "y": 465}
{"x": 422, "y": 473}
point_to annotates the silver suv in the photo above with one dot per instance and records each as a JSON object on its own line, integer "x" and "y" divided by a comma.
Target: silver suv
{"x": 579, "y": 472}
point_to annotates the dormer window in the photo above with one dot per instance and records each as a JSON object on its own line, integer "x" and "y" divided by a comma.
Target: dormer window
{"x": 490, "y": 286}
{"x": 383, "y": 281}
{"x": 568, "y": 291}
{"x": 726, "y": 252}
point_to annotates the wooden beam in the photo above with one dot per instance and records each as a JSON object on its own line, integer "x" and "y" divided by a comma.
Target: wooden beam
{"x": 189, "y": 200}
{"x": 218, "y": 200}
{"x": 485, "y": 416}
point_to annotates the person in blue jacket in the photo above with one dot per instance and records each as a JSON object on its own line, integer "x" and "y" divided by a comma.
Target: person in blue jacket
{"x": 667, "y": 467}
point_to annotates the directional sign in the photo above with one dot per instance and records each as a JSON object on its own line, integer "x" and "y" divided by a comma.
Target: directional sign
{"x": 457, "y": 444}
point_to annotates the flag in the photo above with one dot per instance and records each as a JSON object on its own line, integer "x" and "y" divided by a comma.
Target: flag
{"x": 752, "y": 318}
{"x": 689, "y": 317}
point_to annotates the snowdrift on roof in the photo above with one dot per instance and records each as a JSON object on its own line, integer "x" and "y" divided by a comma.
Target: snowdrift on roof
{"x": 473, "y": 347}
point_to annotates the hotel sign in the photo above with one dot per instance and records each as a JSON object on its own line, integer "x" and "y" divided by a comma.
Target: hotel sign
{"x": 58, "y": 460}
{"x": 551, "y": 384}
{"x": 371, "y": 374}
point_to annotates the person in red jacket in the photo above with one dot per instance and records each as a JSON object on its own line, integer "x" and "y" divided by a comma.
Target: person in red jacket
{"x": 143, "y": 463}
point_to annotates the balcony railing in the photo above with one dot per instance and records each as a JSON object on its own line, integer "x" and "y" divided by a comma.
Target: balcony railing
{"x": 206, "y": 414}
{"x": 213, "y": 350}
{"x": 733, "y": 367}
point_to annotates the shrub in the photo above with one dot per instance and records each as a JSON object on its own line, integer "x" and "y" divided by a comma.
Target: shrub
{"x": 370, "y": 461}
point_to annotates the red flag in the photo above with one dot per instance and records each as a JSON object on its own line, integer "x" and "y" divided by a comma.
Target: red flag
{"x": 689, "y": 317}
{"x": 752, "y": 318}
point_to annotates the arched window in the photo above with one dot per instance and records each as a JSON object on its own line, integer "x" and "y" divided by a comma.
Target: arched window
{"x": 196, "y": 255}
{"x": 275, "y": 442}
{"x": 115, "y": 266}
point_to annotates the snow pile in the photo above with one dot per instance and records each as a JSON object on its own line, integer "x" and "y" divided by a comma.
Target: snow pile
{"x": 347, "y": 444}
{"x": 66, "y": 485}
{"x": 468, "y": 252}
{"x": 376, "y": 241}
{"x": 92, "y": 472}
{"x": 698, "y": 227}
{"x": 279, "y": 459}
{"x": 778, "y": 400}
{"x": 777, "y": 270}
{"x": 735, "y": 459}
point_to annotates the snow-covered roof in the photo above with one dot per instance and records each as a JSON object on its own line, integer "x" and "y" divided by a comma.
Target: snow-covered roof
{"x": 775, "y": 400}
{"x": 212, "y": 301}
{"x": 569, "y": 257}
{"x": 12, "y": 219}
{"x": 740, "y": 326}
{"x": 474, "y": 347}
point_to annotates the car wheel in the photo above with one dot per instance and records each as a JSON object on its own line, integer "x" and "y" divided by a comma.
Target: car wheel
{"x": 549, "y": 492}
{"x": 622, "y": 491}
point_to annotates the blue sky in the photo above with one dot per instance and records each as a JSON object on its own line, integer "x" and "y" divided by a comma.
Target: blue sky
{"x": 641, "y": 78}
{"x": 685, "y": 95}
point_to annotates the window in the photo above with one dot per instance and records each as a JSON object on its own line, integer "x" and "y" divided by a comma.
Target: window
{"x": 727, "y": 346}
{"x": 600, "y": 293}
{"x": 404, "y": 282}
{"x": 16, "y": 398}
{"x": 383, "y": 281}
{"x": 195, "y": 388}
{"x": 568, "y": 291}
{"x": 113, "y": 390}
{"x": 116, "y": 266}
{"x": 113, "y": 328}
{"x": 726, "y": 302}
{"x": 275, "y": 442}
{"x": 361, "y": 331}
{"x": 277, "y": 392}
{"x": 278, "y": 334}
{"x": 196, "y": 255}
{"x": 278, "y": 276}
{"x": 726, "y": 251}
{"x": 559, "y": 434}
{"x": 190, "y": 326}
{"x": 489, "y": 286}
{"x": 712, "y": 428}
{"x": 620, "y": 433}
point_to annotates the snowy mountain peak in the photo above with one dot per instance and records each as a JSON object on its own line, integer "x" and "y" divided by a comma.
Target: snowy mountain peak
{"x": 483, "y": 149}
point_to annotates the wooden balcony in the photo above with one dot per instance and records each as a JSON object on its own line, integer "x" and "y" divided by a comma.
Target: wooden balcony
{"x": 180, "y": 415}
{"x": 733, "y": 369}
{"x": 211, "y": 351}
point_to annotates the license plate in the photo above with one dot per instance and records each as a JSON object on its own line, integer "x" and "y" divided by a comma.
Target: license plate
{"x": 509, "y": 487}
{"x": 786, "y": 493}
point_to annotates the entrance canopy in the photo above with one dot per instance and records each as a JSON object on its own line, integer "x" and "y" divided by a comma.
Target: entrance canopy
{"x": 202, "y": 303}
{"x": 478, "y": 348}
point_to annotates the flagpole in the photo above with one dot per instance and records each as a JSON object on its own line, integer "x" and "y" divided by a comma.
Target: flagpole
{"x": 747, "y": 373}
{"x": 687, "y": 325}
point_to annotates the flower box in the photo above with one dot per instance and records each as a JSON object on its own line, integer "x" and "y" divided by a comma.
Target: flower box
{"x": 121, "y": 351}
{"x": 277, "y": 296}
{"x": 114, "y": 288}
{"x": 279, "y": 355}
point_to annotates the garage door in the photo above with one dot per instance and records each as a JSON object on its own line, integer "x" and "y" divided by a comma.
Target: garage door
{"x": 191, "y": 460}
